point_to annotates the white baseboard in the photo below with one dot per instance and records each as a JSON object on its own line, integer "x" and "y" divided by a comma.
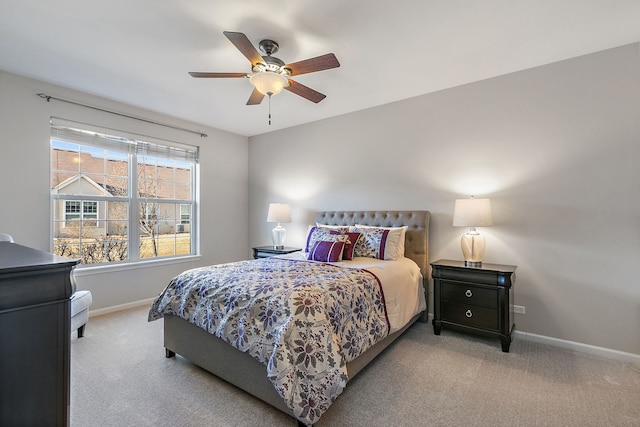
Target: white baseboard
{"x": 583, "y": 348}
{"x": 116, "y": 308}
{"x": 572, "y": 345}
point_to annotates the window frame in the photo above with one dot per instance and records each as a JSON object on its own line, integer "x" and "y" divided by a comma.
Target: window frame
{"x": 151, "y": 148}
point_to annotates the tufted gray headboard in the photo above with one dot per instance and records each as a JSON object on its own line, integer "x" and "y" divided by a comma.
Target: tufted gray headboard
{"x": 417, "y": 238}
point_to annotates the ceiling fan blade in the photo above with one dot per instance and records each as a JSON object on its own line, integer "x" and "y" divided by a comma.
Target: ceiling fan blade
{"x": 255, "y": 98}
{"x": 216, "y": 75}
{"x": 319, "y": 63}
{"x": 305, "y": 91}
{"x": 244, "y": 45}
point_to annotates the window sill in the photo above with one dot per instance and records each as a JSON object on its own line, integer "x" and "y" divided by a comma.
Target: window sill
{"x": 88, "y": 270}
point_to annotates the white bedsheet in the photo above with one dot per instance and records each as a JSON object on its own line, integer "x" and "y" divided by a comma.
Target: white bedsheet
{"x": 401, "y": 283}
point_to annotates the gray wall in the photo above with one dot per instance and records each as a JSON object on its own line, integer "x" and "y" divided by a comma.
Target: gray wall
{"x": 556, "y": 148}
{"x": 24, "y": 184}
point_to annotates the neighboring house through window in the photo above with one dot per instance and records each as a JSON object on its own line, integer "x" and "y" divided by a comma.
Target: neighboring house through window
{"x": 81, "y": 210}
{"x": 185, "y": 214}
{"x": 117, "y": 198}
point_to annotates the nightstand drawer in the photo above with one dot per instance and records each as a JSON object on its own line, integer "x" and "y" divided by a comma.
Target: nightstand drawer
{"x": 470, "y": 295}
{"x": 470, "y": 315}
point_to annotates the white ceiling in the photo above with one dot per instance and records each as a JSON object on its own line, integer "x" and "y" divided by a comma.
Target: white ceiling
{"x": 139, "y": 51}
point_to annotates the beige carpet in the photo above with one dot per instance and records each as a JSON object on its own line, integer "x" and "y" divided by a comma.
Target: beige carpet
{"x": 120, "y": 377}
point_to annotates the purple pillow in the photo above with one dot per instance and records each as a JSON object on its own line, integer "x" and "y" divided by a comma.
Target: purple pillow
{"x": 350, "y": 244}
{"x": 326, "y": 251}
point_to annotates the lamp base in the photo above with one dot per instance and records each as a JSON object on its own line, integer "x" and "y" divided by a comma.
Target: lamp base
{"x": 277, "y": 236}
{"x": 473, "y": 247}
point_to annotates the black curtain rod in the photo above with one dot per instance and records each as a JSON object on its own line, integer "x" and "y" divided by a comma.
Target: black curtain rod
{"x": 48, "y": 98}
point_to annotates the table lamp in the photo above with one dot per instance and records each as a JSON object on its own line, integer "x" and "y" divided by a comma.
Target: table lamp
{"x": 279, "y": 213}
{"x": 472, "y": 213}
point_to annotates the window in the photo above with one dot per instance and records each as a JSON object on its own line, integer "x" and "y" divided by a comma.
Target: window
{"x": 117, "y": 198}
{"x": 185, "y": 214}
{"x": 77, "y": 210}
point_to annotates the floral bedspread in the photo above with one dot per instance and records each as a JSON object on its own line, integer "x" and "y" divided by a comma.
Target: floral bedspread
{"x": 304, "y": 320}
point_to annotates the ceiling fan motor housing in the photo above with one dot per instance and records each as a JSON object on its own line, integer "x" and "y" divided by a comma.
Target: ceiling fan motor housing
{"x": 271, "y": 63}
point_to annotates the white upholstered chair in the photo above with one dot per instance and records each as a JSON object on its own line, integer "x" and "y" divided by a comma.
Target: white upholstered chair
{"x": 4, "y": 237}
{"x": 80, "y": 303}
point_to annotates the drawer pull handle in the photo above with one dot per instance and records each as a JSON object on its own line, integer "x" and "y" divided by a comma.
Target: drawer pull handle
{"x": 469, "y": 294}
{"x": 468, "y": 313}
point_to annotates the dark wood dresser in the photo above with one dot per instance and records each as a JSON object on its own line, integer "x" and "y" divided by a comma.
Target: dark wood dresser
{"x": 474, "y": 299}
{"x": 35, "y": 288}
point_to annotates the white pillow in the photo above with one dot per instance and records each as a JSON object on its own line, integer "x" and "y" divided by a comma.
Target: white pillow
{"x": 340, "y": 228}
{"x": 394, "y": 247}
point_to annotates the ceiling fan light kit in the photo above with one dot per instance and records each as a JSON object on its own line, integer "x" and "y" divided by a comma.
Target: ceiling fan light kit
{"x": 270, "y": 74}
{"x": 269, "y": 82}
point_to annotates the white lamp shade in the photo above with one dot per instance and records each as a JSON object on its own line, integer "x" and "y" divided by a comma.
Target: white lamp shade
{"x": 279, "y": 212}
{"x": 268, "y": 82}
{"x": 472, "y": 213}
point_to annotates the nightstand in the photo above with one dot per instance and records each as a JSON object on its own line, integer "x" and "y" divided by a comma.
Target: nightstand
{"x": 267, "y": 251}
{"x": 474, "y": 299}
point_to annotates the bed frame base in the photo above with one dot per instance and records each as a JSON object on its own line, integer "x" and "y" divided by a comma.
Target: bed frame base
{"x": 216, "y": 356}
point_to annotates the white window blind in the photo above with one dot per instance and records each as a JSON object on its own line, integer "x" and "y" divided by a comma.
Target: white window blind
{"x": 124, "y": 142}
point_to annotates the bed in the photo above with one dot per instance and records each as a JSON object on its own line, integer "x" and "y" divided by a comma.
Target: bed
{"x": 266, "y": 379}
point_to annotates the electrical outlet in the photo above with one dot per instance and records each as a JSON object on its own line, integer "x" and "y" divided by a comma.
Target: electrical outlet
{"x": 518, "y": 309}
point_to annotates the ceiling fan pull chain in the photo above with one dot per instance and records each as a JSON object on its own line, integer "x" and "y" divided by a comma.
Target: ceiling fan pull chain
{"x": 269, "y": 109}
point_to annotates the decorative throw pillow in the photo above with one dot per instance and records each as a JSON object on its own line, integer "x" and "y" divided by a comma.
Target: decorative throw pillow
{"x": 372, "y": 243}
{"x": 350, "y": 240}
{"x": 326, "y": 251}
{"x": 394, "y": 244}
{"x": 316, "y": 234}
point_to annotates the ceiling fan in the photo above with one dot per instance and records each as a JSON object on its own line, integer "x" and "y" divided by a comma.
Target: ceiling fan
{"x": 269, "y": 75}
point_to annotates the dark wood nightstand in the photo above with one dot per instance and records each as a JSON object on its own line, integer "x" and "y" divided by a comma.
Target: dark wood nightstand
{"x": 474, "y": 299}
{"x": 267, "y": 251}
